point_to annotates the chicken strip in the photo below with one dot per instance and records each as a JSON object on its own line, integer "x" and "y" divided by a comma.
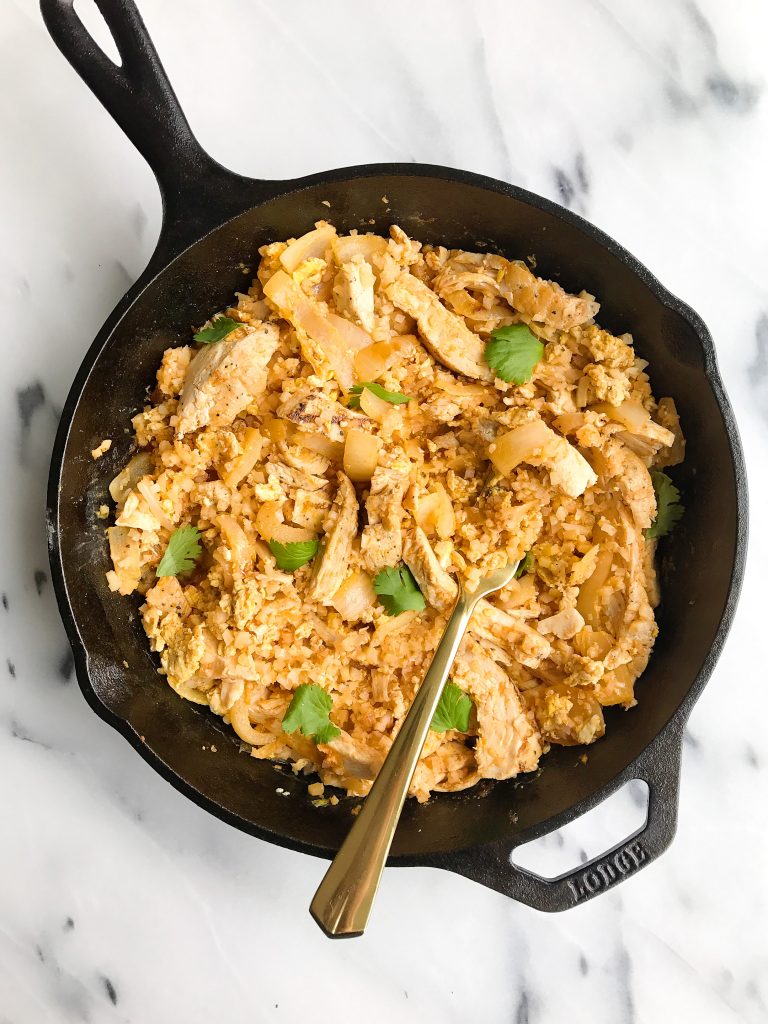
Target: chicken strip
{"x": 225, "y": 377}
{"x": 315, "y": 411}
{"x": 544, "y": 301}
{"x": 345, "y": 757}
{"x": 508, "y": 740}
{"x": 381, "y": 543}
{"x": 332, "y": 564}
{"x": 632, "y": 480}
{"x": 438, "y": 587}
{"x": 514, "y": 635}
{"x": 353, "y": 292}
{"x": 444, "y": 333}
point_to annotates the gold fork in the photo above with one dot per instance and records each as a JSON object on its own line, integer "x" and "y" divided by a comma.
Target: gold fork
{"x": 343, "y": 902}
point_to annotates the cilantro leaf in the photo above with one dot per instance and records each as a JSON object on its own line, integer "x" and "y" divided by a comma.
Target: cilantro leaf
{"x": 292, "y": 556}
{"x": 526, "y": 564}
{"x": 220, "y": 328}
{"x": 182, "y": 552}
{"x": 513, "y": 352}
{"x": 393, "y": 397}
{"x": 453, "y": 710}
{"x": 669, "y": 511}
{"x": 309, "y": 711}
{"x": 398, "y": 590}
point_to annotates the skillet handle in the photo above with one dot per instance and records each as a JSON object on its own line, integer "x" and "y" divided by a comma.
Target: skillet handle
{"x": 659, "y": 767}
{"x": 197, "y": 191}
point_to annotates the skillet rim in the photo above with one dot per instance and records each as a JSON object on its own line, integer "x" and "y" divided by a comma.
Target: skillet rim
{"x": 166, "y": 252}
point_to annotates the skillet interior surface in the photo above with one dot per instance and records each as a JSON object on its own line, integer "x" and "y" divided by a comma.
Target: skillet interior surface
{"x": 699, "y": 562}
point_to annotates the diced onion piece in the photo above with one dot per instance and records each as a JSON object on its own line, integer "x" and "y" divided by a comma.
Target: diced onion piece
{"x": 636, "y": 418}
{"x": 347, "y": 246}
{"x": 616, "y": 687}
{"x": 631, "y": 414}
{"x": 374, "y": 406}
{"x": 520, "y": 592}
{"x": 361, "y": 453}
{"x": 588, "y": 600}
{"x": 456, "y": 387}
{"x": 314, "y": 243}
{"x": 354, "y": 597}
{"x": 374, "y": 361}
{"x": 235, "y": 539}
{"x": 270, "y": 525}
{"x": 275, "y": 429}
{"x": 333, "y": 450}
{"x": 593, "y": 643}
{"x": 523, "y": 443}
{"x": 125, "y": 481}
{"x": 239, "y": 468}
{"x": 435, "y": 515}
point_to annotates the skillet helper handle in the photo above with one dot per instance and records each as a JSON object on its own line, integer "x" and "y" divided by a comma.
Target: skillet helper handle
{"x": 137, "y": 92}
{"x": 659, "y": 767}
{"x": 343, "y": 902}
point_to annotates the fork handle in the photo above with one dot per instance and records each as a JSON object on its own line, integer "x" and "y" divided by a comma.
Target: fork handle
{"x": 343, "y": 902}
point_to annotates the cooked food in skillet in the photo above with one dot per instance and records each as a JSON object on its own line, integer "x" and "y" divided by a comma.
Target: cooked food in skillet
{"x": 373, "y": 420}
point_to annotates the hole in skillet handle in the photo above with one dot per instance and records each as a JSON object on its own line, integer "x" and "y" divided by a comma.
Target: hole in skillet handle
{"x": 624, "y": 813}
{"x": 96, "y": 26}
{"x": 494, "y": 865}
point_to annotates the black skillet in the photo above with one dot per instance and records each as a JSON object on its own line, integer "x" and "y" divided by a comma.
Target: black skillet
{"x": 213, "y": 223}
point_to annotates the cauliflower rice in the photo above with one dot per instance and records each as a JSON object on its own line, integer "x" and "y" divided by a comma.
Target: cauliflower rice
{"x": 253, "y": 439}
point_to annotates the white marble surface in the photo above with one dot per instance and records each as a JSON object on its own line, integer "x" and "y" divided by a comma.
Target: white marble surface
{"x": 119, "y": 899}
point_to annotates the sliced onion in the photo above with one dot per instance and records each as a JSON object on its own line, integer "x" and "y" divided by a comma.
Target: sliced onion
{"x": 361, "y": 453}
{"x": 125, "y": 481}
{"x": 313, "y": 244}
{"x": 239, "y": 468}
{"x": 354, "y": 597}
{"x": 271, "y": 525}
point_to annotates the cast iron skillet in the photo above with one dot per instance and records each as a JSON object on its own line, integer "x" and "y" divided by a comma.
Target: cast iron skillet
{"x": 213, "y": 223}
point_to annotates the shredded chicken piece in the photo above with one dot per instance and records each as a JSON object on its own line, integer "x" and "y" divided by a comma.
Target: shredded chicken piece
{"x": 523, "y": 642}
{"x": 669, "y": 419}
{"x": 353, "y": 292}
{"x": 438, "y": 587}
{"x": 332, "y": 565}
{"x": 565, "y": 624}
{"x": 315, "y": 411}
{"x": 381, "y": 543}
{"x": 632, "y": 480}
{"x": 225, "y": 377}
{"x": 507, "y": 737}
{"x": 445, "y": 335}
{"x": 544, "y": 301}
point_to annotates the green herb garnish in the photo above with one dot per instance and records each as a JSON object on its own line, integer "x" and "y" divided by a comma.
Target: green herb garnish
{"x": 393, "y": 397}
{"x": 669, "y": 511}
{"x": 182, "y": 552}
{"x": 309, "y": 711}
{"x": 453, "y": 710}
{"x": 526, "y": 564}
{"x": 219, "y": 328}
{"x": 398, "y": 591}
{"x": 513, "y": 352}
{"x": 292, "y": 556}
